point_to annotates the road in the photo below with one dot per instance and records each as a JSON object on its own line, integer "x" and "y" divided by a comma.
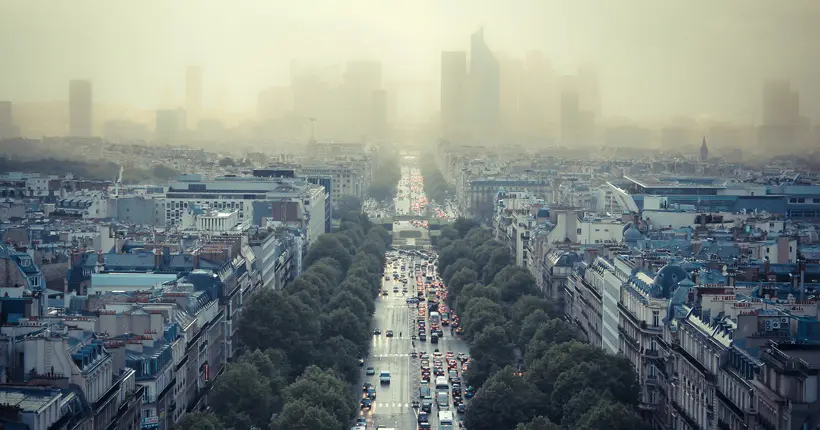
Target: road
{"x": 393, "y": 404}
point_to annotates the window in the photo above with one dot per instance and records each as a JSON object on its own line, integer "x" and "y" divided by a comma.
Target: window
{"x": 656, "y": 318}
{"x": 579, "y": 231}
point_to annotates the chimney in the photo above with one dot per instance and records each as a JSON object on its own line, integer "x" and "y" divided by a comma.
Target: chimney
{"x": 695, "y": 276}
{"x": 157, "y": 258}
{"x": 767, "y": 267}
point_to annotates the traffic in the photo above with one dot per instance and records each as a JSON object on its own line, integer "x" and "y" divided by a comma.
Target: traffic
{"x": 414, "y": 377}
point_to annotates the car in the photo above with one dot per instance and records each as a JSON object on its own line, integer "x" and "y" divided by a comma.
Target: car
{"x": 366, "y": 403}
{"x": 366, "y": 386}
{"x": 389, "y": 333}
{"x": 461, "y": 408}
{"x": 370, "y": 371}
{"x": 377, "y": 331}
{"x": 361, "y": 421}
{"x": 371, "y": 392}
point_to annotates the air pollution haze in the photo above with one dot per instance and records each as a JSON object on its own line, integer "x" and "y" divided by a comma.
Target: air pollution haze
{"x": 654, "y": 60}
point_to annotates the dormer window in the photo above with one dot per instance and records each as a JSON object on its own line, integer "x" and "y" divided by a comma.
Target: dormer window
{"x": 25, "y": 262}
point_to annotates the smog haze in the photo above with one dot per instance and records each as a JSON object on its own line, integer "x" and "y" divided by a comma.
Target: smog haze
{"x": 655, "y": 59}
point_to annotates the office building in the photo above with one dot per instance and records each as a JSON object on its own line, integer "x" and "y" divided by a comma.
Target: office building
{"x": 193, "y": 95}
{"x": 484, "y": 97}
{"x": 7, "y": 127}
{"x": 378, "y": 107}
{"x": 170, "y": 124}
{"x": 261, "y": 201}
{"x": 453, "y": 88}
{"x": 80, "y": 101}
{"x": 570, "y": 112}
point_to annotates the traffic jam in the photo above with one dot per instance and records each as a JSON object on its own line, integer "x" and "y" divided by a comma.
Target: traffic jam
{"x": 441, "y": 382}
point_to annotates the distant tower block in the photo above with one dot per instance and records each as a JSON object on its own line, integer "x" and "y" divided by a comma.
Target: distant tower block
{"x": 704, "y": 151}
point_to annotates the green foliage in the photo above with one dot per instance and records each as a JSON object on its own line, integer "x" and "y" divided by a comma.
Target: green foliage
{"x": 435, "y": 186}
{"x": 385, "y": 180}
{"x": 199, "y": 421}
{"x": 508, "y": 324}
{"x": 349, "y": 207}
{"x": 314, "y": 330}
{"x": 103, "y": 170}
{"x": 244, "y": 397}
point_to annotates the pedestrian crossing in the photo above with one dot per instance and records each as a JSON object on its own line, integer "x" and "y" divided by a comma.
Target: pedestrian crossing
{"x": 392, "y": 405}
{"x": 390, "y": 355}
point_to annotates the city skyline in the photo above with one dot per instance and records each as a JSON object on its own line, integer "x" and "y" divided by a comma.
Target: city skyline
{"x": 706, "y": 73}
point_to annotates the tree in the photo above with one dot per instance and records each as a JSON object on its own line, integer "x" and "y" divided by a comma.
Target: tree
{"x": 227, "y": 161}
{"x": 450, "y": 232}
{"x": 491, "y": 351}
{"x": 457, "y": 283}
{"x": 280, "y": 321}
{"x": 464, "y": 225}
{"x": 461, "y": 263}
{"x": 244, "y": 397}
{"x": 343, "y": 322}
{"x": 611, "y": 416}
{"x": 515, "y": 282}
{"x": 298, "y": 415}
{"x": 199, "y": 421}
{"x": 538, "y": 423}
{"x": 349, "y": 206}
{"x": 490, "y": 408}
{"x": 322, "y": 388}
{"x": 499, "y": 259}
{"x": 529, "y": 326}
{"x": 328, "y": 246}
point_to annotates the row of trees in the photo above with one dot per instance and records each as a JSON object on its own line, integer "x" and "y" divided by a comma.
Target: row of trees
{"x": 385, "y": 180}
{"x": 304, "y": 342}
{"x": 531, "y": 371}
{"x": 95, "y": 169}
{"x": 435, "y": 186}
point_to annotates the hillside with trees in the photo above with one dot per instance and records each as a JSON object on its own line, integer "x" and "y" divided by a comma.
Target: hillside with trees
{"x": 529, "y": 369}
{"x": 301, "y": 346}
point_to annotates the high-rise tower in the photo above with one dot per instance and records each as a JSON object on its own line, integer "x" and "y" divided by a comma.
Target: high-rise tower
{"x": 193, "y": 95}
{"x": 453, "y": 88}
{"x": 484, "y": 97}
{"x": 80, "y": 100}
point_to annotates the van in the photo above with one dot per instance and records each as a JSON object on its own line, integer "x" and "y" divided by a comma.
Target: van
{"x": 441, "y": 383}
{"x": 384, "y": 377}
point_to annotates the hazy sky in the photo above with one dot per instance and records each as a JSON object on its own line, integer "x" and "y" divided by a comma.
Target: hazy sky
{"x": 657, "y": 58}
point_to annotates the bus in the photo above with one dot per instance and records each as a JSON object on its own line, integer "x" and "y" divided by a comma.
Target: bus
{"x": 445, "y": 420}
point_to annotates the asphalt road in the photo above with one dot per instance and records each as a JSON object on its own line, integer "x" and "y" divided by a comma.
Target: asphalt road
{"x": 393, "y": 405}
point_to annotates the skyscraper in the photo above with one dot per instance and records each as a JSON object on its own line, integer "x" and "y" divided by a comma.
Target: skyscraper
{"x": 588, "y": 89}
{"x": 360, "y": 80}
{"x": 781, "y": 116}
{"x": 6, "y": 120}
{"x": 453, "y": 88}
{"x": 570, "y": 112}
{"x": 79, "y": 108}
{"x": 378, "y": 119}
{"x": 484, "y": 97}
{"x": 170, "y": 123}
{"x": 193, "y": 94}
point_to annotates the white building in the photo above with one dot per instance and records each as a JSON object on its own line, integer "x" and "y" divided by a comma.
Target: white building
{"x": 203, "y": 218}
{"x": 240, "y": 194}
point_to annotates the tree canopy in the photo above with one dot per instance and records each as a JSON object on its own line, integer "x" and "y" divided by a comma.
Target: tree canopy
{"x": 301, "y": 344}
{"x": 435, "y": 186}
{"x": 522, "y": 353}
{"x": 385, "y": 180}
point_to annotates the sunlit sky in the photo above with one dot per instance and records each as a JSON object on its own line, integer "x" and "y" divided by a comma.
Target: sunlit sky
{"x": 657, "y": 58}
